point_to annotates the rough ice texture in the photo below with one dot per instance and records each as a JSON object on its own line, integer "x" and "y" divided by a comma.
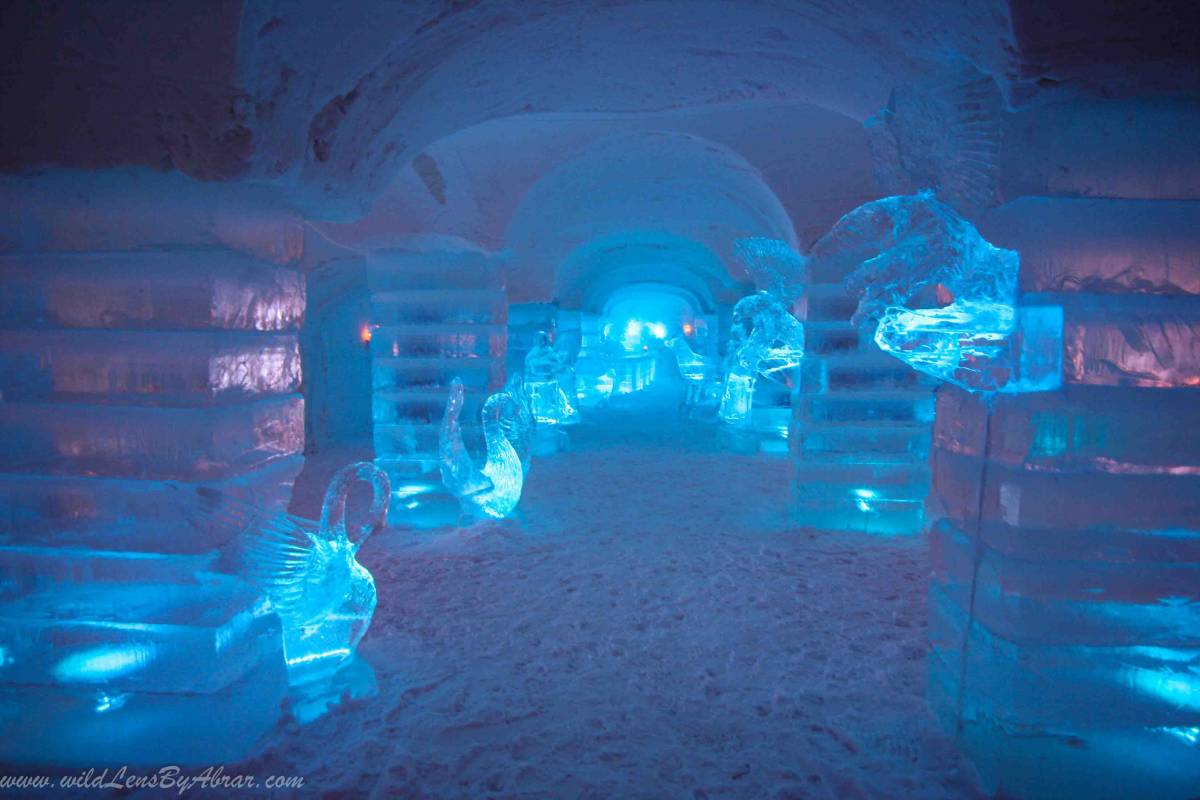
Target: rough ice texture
{"x": 1101, "y": 246}
{"x": 179, "y": 289}
{"x": 169, "y": 367}
{"x": 616, "y": 640}
{"x": 203, "y": 443}
{"x": 122, "y": 514}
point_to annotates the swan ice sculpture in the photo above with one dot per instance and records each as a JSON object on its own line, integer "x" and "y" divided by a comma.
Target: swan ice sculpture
{"x": 495, "y": 490}
{"x": 307, "y": 570}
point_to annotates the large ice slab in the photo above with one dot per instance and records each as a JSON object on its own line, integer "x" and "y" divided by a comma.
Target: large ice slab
{"x": 127, "y": 515}
{"x": 1101, "y": 246}
{"x": 168, "y": 289}
{"x": 163, "y": 367}
{"x": 150, "y": 442}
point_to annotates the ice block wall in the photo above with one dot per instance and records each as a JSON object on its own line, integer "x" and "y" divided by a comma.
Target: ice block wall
{"x": 860, "y": 425}
{"x": 1065, "y": 605}
{"x": 438, "y": 315}
{"x": 121, "y": 370}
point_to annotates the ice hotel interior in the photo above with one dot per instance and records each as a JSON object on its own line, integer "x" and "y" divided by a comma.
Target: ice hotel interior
{"x": 636, "y": 399}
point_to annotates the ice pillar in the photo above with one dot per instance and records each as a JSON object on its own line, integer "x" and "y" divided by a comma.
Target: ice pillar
{"x": 119, "y": 370}
{"x": 860, "y": 424}
{"x": 1065, "y": 611}
{"x": 438, "y": 314}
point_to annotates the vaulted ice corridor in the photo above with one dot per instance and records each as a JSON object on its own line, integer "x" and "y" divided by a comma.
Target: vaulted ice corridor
{"x": 647, "y": 398}
{"x": 640, "y": 629}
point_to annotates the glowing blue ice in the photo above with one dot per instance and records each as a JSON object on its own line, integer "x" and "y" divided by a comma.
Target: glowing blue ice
{"x": 495, "y": 490}
{"x": 695, "y": 370}
{"x": 944, "y": 298}
{"x": 309, "y": 573}
{"x": 547, "y": 376}
{"x": 765, "y": 340}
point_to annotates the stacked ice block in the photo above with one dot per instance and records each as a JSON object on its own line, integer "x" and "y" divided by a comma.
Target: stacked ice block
{"x": 120, "y": 370}
{"x": 860, "y": 426}
{"x": 439, "y": 315}
{"x": 1065, "y": 602}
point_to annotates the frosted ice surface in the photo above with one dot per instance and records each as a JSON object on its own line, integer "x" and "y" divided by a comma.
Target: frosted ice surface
{"x": 774, "y": 266}
{"x": 494, "y": 490}
{"x": 766, "y": 338}
{"x": 547, "y": 376}
{"x": 945, "y": 298}
{"x": 133, "y": 657}
{"x": 511, "y": 410}
{"x": 308, "y": 570}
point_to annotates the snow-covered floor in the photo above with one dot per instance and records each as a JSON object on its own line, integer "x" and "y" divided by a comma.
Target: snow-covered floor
{"x": 652, "y": 625}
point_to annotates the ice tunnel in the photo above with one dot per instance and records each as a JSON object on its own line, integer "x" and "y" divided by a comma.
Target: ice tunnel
{"x": 651, "y": 398}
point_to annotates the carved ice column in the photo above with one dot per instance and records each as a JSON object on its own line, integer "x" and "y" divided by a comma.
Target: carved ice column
{"x": 120, "y": 370}
{"x": 438, "y": 314}
{"x": 1065, "y": 604}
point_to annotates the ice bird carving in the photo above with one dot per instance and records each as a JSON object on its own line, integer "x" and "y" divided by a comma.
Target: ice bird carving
{"x": 308, "y": 570}
{"x": 495, "y": 490}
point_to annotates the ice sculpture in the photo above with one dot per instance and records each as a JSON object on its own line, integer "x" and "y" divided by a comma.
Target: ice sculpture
{"x": 308, "y": 571}
{"x": 516, "y": 418}
{"x": 944, "y": 298}
{"x": 694, "y": 369}
{"x": 495, "y": 490}
{"x": 546, "y": 374}
{"x": 774, "y": 266}
{"x": 765, "y": 340}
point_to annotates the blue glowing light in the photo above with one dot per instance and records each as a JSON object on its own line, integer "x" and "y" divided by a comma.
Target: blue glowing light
{"x": 102, "y": 664}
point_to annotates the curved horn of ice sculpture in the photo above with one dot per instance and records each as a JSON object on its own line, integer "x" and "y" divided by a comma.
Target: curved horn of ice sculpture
{"x": 333, "y": 509}
{"x": 517, "y": 419}
{"x": 495, "y": 490}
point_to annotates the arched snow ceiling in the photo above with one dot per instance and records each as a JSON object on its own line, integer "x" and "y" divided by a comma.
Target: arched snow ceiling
{"x": 333, "y": 99}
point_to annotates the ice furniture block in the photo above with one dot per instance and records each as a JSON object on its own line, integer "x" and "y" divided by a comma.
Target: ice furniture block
{"x": 132, "y": 658}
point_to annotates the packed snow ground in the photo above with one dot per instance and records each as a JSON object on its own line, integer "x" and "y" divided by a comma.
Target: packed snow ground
{"x": 651, "y": 625}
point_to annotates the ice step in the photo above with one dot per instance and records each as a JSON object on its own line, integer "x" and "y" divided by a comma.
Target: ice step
{"x": 1030, "y": 498}
{"x": 166, "y": 290}
{"x": 197, "y": 635}
{"x": 858, "y": 372}
{"x": 828, "y": 338}
{"x": 1086, "y": 602}
{"x": 420, "y": 441}
{"x": 439, "y": 341}
{"x": 456, "y": 307}
{"x": 854, "y": 407}
{"x": 160, "y": 367}
{"x": 130, "y": 515}
{"x": 483, "y": 374}
{"x": 856, "y": 443}
{"x": 1065, "y": 686}
{"x": 1097, "y": 428}
{"x": 422, "y": 406}
{"x": 151, "y": 442}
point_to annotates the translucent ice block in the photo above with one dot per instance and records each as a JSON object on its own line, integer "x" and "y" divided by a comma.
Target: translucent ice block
{"x": 150, "y": 442}
{"x": 439, "y": 306}
{"x": 163, "y": 290}
{"x": 168, "y": 367}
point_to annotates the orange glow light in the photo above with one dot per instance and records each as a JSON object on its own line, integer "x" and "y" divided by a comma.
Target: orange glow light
{"x": 364, "y": 333}
{"x": 687, "y": 329}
